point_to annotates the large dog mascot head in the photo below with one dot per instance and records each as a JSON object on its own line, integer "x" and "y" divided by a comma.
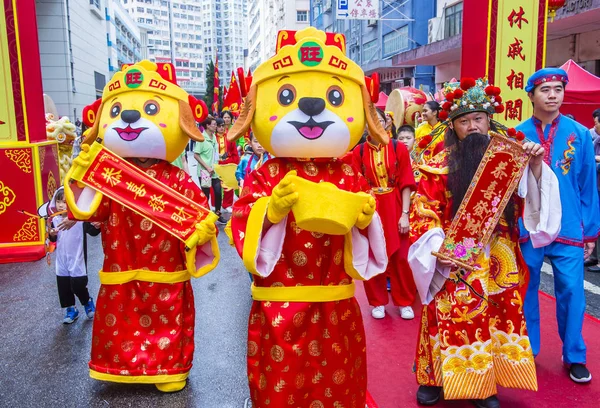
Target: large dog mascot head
{"x": 310, "y": 100}
{"x": 144, "y": 113}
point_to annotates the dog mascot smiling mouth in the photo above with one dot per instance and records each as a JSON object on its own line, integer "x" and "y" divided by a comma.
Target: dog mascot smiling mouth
{"x": 311, "y": 130}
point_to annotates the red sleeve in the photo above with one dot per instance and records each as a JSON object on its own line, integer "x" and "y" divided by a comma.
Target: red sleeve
{"x": 431, "y": 208}
{"x": 404, "y": 174}
{"x": 233, "y": 155}
{"x": 257, "y": 184}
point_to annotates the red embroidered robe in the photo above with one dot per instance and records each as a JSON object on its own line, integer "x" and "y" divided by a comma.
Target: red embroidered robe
{"x": 304, "y": 353}
{"x": 467, "y": 345}
{"x": 143, "y": 330}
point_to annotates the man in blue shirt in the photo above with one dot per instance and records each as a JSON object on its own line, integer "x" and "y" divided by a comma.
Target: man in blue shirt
{"x": 569, "y": 152}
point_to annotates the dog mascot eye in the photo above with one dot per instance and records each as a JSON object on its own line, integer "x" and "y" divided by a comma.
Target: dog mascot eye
{"x": 335, "y": 95}
{"x": 151, "y": 108}
{"x": 115, "y": 110}
{"x": 287, "y": 95}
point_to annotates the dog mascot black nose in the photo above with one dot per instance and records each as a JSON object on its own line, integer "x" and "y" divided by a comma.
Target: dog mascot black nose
{"x": 311, "y": 106}
{"x": 130, "y": 116}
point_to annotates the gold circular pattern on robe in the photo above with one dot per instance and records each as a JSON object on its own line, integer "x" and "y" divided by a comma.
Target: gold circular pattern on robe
{"x": 299, "y": 258}
{"x": 357, "y": 362}
{"x": 339, "y": 376}
{"x": 299, "y": 380}
{"x": 347, "y": 170}
{"x": 165, "y": 245}
{"x": 113, "y": 220}
{"x": 151, "y": 173}
{"x": 110, "y": 320}
{"x": 316, "y": 404}
{"x": 252, "y": 348}
{"x": 311, "y": 169}
{"x": 273, "y": 169}
{"x": 298, "y": 319}
{"x": 145, "y": 321}
{"x": 315, "y": 348}
{"x": 146, "y": 224}
{"x": 277, "y": 353}
{"x": 164, "y": 295}
{"x": 337, "y": 259}
{"x": 127, "y": 346}
{"x": 333, "y": 318}
{"x": 164, "y": 343}
{"x": 317, "y": 234}
{"x": 262, "y": 382}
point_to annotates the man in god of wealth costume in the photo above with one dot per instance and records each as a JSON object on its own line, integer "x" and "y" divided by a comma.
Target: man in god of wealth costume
{"x": 304, "y": 226}
{"x": 144, "y": 324}
{"x": 473, "y": 335}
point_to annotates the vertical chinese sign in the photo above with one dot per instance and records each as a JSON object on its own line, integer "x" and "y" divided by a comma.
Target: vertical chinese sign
{"x": 28, "y": 161}
{"x": 520, "y": 51}
{"x": 515, "y": 49}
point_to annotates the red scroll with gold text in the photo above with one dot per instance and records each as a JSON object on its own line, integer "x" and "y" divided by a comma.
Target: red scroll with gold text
{"x": 121, "y": 181}
{"x": 492, "y": 186}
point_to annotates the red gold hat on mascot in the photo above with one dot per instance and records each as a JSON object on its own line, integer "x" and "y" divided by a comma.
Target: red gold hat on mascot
{"x": 314, "y": 101}
{"x": 160, "y": 116}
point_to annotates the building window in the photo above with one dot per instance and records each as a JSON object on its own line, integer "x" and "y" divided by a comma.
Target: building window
{"x": 395, "y": 41}
{"x": 301, "y": 16}
{"x": 369, "y": 51}
{"x": 453, "y": 20}
{"x": 95, "y": 3}
{"x": 99, "y": 81}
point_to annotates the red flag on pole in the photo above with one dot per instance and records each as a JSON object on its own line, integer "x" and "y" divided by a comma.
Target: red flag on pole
{"x": 215, "y": 105}
{"x": 233, "y": 100}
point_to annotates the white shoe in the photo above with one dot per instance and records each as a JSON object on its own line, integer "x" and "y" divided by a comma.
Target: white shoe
{"x": 378, "y": 312}
{"x": 228, "y": 209}
{"x": 407, "y": 313}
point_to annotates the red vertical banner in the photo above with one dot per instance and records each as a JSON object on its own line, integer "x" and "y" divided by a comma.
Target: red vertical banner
{"x": 215, "y": 105}
{"x": 475, "y": 31}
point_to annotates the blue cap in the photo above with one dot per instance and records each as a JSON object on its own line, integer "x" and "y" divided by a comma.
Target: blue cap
{"x": 546, "y": 75}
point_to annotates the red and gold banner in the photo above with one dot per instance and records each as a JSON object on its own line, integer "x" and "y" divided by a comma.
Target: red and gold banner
{"x": 121, "y": 181}
{"x": 515, "y": 48}
{"x": 492, "y": 186}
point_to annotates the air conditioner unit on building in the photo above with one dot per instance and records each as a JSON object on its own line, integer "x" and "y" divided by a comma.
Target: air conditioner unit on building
{"x": 372, "y": 23}
{"x": 435, "y": 30}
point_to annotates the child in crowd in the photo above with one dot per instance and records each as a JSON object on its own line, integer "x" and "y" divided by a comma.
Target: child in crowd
{"x": 406, "y": 136}
{"x": 71, "y": 259}
{"x": 251, "y": 161}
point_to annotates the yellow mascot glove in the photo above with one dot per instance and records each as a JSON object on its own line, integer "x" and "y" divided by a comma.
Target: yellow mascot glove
{"x": 83, "y": 159}
{"x": 205, "y": 230}
{"x": 283, "y": 197}
{"x": 364, "y": 218}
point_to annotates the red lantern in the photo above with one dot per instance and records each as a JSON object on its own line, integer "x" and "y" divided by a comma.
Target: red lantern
{"x": 554, "y": 5}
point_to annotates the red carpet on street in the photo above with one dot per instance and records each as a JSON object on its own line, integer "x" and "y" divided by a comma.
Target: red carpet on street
{"x": 391, "y": 346}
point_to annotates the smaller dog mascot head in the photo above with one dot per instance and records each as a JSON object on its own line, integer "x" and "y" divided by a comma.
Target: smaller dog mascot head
{"x": 144, "y": 113}
{"x": 310, "y": 100}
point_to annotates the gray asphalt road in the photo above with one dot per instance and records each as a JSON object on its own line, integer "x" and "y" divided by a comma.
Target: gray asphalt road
{"x": 43, "y": 363}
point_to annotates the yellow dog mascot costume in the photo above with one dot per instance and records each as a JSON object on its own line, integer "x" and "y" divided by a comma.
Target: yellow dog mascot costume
{"x": 304, "y": 227}
{"x": 144, "y": 324}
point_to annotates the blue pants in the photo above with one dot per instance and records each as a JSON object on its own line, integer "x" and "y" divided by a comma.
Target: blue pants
{"x": 567, "y": 266}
